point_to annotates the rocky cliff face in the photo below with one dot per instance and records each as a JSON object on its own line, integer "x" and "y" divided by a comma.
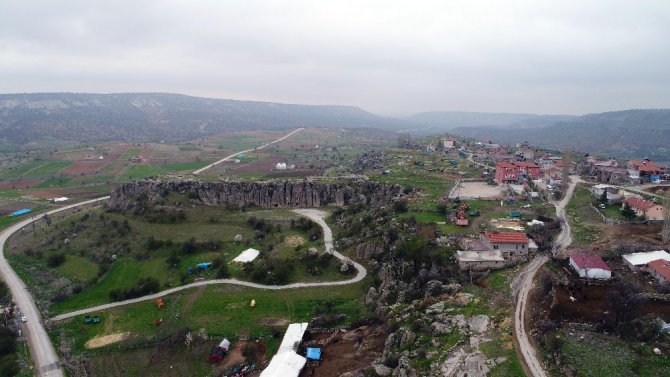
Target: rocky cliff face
{"x": 262, "y": 194}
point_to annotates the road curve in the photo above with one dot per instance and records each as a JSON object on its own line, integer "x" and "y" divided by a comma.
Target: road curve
{"x": 246, "y": 151}
{"x": 313, "y": 214}
{"x": 523, "y": 283}
{"x": 42, "y": 351}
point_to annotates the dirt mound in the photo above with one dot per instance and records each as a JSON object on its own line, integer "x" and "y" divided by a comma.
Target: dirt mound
{"x": 275, "y": 322}
{"x": 101, "y": 341}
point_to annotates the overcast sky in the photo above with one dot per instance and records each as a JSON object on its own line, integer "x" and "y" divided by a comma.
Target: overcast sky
{"x": 388, "y": 57}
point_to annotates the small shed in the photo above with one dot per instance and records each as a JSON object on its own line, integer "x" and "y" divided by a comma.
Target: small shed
{"x": 462, "y": 222}
{"x": 590, "y": 266}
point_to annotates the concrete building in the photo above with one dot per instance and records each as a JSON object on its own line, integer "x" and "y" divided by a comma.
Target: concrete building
{"x": 510, "y": 244}
{"x": 660, "y": 270}
{"x": 590, "y": 266}
{"x": 644, "y": 208}
{"x": 480, "y": 260}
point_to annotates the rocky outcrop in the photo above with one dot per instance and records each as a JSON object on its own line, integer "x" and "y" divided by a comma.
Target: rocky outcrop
{"x": 241, "y": 194}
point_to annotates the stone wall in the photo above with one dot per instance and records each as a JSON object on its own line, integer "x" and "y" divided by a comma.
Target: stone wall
{"x": 242, "y": 194}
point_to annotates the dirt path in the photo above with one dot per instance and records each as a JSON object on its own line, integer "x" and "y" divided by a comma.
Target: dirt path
{"x": 42, "y": 351}
{"x": 523, "y": 283}
{"x": 314, "y": 214}
{"x": 246, "y": 151}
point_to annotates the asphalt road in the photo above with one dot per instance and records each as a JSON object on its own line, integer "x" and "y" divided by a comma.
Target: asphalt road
{"x": 314, "y": 214}
{"x": 523, "y": 283}
{"x": 42, "y": 352}
{"x": 246, "y": 151}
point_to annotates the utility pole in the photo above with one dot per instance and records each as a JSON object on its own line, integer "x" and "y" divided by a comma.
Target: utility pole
{"x": 665, "y": 233}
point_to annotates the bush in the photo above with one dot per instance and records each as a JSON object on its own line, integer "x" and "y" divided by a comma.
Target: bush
{"x": 249, "y": 352}
{"x": 55, "y": 260}
{"x": 144, "y": 286}
{"x": 190, "y": 246}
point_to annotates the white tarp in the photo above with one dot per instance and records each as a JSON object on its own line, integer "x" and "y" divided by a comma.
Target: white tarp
{"x": 643, "y": 258}
{"x": 287, "y": 363}
{"x": 247, "y": 256}
{"x": 293, "y": 335}
{"x": 61, "y": 199}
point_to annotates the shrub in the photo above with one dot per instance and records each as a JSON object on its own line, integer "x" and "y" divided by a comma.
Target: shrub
{"x": 55, "y": 260}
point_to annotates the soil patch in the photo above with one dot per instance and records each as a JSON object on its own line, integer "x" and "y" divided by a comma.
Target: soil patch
{"x": 83, "y": 167}
{"x": 343, "y": 352}
{"x": 275, "y": 322}
{"x": 101, "y": 341}
{"x": 19, "y": 184}
{"x": 293, "y": 241}
{"x": 192, "y": 299}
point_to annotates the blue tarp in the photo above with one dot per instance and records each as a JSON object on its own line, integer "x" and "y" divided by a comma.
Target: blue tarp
{"x": 21, "y": 212}
{"x": 314, "y": 353}
{"x": 204, "y": 265}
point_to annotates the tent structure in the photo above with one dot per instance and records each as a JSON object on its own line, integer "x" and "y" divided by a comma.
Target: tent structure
{"x": 287, "y": 363}
{"x": 247, "y": 255}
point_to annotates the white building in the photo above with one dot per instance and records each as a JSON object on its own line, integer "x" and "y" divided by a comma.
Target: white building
{"x": 590, "y": 266}
{"x": 636, "y": 261}
{"x": 281, "y": 166}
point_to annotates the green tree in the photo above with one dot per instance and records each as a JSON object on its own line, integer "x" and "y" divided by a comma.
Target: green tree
{"x": 603, "y": 197}
{"x": 628, "y": 212}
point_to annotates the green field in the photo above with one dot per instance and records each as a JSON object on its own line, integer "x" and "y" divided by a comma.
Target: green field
{"x": 184, "y": 166}
{"x": 223, "y": 310}
{"x": 34, "y": 169}
{"x": 103, "y": 235}
{"x": 142, "y": 171}
{"x": 54, "y": 182}
{"x": 581, "y": 215}
{"x": 189, "y": 148}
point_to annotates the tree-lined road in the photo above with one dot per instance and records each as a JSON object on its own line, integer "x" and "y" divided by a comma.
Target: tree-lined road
{"x": 247, "y": 151}
{"x": 42, "y": 351}
{"x": 523, "y": 283}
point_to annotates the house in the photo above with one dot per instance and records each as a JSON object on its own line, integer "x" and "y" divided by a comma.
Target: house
{"x": 644, "y": 208}
{"x": 660, "y": 269}
{"x": 429, "y": 148}
{"x": 525, "y": 154}
{"x": 448, "y": 143}
{"x": 515, "y": 172}
{"x": 613, "y": 194}
{"x": 643, "y": 170}
{"x": 553, "y": 176}
{"x": 477, "y": 260}
{"x": 635, "y": 261}
{"x": 511, "y": 244}
{"x": 612, "y": 175}
{"x": 590, "y": 266}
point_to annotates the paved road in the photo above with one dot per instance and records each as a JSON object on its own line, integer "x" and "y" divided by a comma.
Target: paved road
{"x": 43, "y": 354}
{"x": 523, "y": 283}
{"x": 246, "y": 151}
{"x": 314, "y": 214}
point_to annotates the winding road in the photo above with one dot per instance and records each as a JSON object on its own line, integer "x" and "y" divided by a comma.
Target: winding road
{"x": 313, "y": 214}
{"x": 42, "y": 351}
{"x": 246, "y": 151}
{"x": 523, "y": 283}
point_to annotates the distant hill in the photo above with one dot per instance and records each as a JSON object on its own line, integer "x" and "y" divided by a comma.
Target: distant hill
{"x": 70, "y": 117}
{"x": 625, "y": 134}
{"x": 448, "y": 120}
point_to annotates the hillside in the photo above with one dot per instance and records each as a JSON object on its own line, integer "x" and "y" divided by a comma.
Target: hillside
{"x": 69, "y": 117}
{"x": 625, "y": 134}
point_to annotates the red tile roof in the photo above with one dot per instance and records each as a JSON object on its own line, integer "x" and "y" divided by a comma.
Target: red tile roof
{"x": 462, "y": 222}
{"x": 505, "y": 165}
{"x": 526, "y": 165}
{"x": 639, "y": 203}
{"x": 506, "y": 237}
{"x": 662, "y": 267}
{"x": 644, "y": 165}
{"x": 589, "y": 261}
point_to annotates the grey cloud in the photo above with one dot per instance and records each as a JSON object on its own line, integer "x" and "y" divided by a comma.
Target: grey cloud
{"x": 386, "y": 56}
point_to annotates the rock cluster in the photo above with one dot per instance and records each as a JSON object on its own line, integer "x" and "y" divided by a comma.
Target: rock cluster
{"x": 240, "y": 194}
